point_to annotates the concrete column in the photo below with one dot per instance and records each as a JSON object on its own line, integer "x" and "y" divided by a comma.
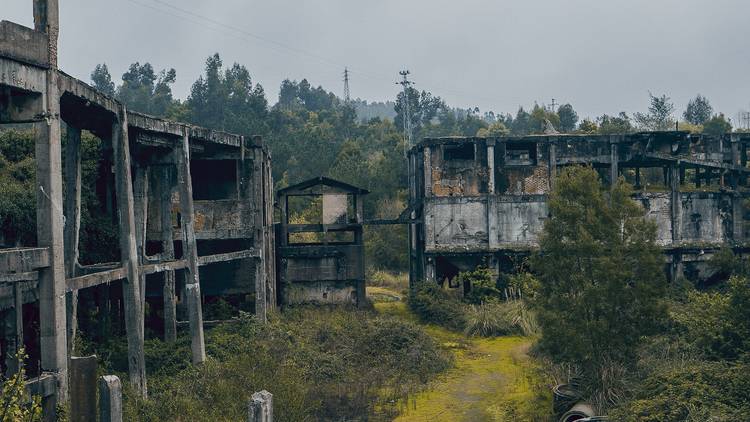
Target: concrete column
{"x": 129, "y": 254}
{"x": 429, "y": 271}
{"x": 675, "y": 203}
{"x": 491, "y": 166}
{"x": 12, "y": 340}
{"x": 614, "y": 156}
{"x": 255, "y": 188}
{"x": 190, "y": 250}
{"x": 49, "y": 225}
{"x": 83, "y": 389}
{"x": 260, "y": 408}
{"x": 427, "y": 172}
{"x": 164, "y": 186}
{"x": 552, "y": 164}
{"x": 110, "y": 399}
{"x": 72, "y": 225}
{"x": 140, "y": 209}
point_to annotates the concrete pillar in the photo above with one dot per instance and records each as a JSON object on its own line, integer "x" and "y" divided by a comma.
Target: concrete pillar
{"x": 260, "y": 408}
{"x": 614, "y": 165}
{"x": 255, "y": 189}
{"x": 72, "y": 225}
{"x": 49, "y": 225}
{"x": 491, "y": 166}
{"x": 427, "y": 172}
{"x": 675, "y": 203}
{"x": 429, "y": 271}
{"x": 13, "y": 341}
{"x": 140, "y": 210}
{"x": 552, "y": 164}
{"x": 83, "y": 389}
{"x": 190, "y": 250}
{"x": 110, "y": 399}
{"x": 164, "y": 186}
{"x": 129, "y": 255}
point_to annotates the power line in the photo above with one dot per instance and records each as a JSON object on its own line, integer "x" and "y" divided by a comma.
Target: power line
{"x": 290, "y": 49}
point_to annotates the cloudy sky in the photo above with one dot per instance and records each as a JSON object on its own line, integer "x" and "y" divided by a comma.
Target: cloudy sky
{"x": 603, "y": 56}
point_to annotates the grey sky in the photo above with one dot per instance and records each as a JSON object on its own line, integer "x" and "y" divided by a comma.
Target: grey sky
{"x": 602, "y": 56}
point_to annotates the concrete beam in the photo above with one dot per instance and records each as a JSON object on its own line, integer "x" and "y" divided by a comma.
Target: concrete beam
{"x": 164, "y": 194}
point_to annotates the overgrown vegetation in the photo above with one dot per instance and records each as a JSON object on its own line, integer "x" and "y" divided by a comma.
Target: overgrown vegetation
{"x": 482, "y": 311}
{"x": 320, "y": 364}
{"x": 15, "y": 402}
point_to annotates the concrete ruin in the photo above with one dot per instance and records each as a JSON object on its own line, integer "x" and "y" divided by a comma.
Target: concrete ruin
{"x": 321, "y": 256}
{"x": 483, "y": 201}
{"x": 194, "y": 208}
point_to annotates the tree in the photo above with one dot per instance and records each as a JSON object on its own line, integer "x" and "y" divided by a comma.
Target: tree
{"x": 568, "y": 118}
{"x": 659, "y": 116}
{"x": 698, "y": 110}
{"x": 601, "y": 278}
{"x": 609, "y": 125}
{"x": 588, "y": 126}
{"x": 520, "y": 125}
{"x": 717, "y": 125}
{"x": 102, "y": 80}
{"x": 539, "y": 118}
{"x": 145, "y": 91}
{"x": 227, "y": 99}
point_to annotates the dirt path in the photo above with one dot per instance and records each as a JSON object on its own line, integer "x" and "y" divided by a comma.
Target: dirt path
{"x": 494, "y": 378}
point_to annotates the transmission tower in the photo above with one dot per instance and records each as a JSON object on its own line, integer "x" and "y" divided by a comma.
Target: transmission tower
{"x": 406, "y": 83}
{"x": 347, "y": 97}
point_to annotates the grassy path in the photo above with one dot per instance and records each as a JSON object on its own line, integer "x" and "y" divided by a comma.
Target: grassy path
{"x": 494, "y": 378}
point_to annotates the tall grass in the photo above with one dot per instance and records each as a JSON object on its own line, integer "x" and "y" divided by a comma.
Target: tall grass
{"x": 498, "y": 318}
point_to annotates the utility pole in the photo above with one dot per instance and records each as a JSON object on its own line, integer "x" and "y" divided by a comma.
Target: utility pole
{"x": 347, "y": 98}
{"x": 406, "y": 83}
{"x": 553, "y": 106}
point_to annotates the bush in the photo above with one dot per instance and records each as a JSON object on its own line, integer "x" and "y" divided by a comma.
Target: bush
{"x": 434, "y": 305}
{"x": 319, "y": 363}
{"x": 483, "y": 285}
{"x": 495, "y": 318}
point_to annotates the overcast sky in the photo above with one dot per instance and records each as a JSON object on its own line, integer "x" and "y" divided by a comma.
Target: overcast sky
{"x": 603, "y": 56}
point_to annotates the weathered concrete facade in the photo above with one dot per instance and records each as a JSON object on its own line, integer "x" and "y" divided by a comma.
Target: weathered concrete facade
{"x": 484, "y": 201}
{"x": 194, "y": 208}
{"x": 321, "y": 256}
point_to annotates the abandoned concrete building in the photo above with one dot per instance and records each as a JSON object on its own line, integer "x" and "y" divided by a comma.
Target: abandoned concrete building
{"x": 194, "y": 209}
{"x": 482, "y": 201}
{"x": 321, "y": 256}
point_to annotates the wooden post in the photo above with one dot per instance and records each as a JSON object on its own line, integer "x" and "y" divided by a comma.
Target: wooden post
{"x": 129, "y": 254}
{"x": 72, "y": 225}
{"x": 164, "y": 184}
{"x": 190, "y": 250}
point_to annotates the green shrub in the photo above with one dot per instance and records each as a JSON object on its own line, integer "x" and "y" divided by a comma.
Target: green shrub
{"x": 320, "y": 364}
{"x": 697, "y": 391}
{"x": 434, "y": 305}
{"x": 483, "y": 285}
